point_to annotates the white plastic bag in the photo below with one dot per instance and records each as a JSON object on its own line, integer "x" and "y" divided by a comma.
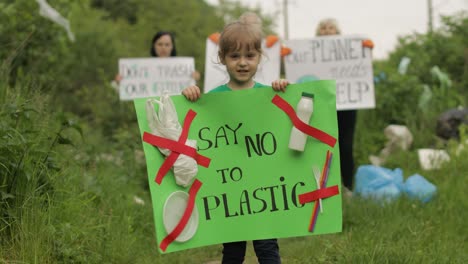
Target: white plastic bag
{"x": 430, "y": 159}
{"x": 49, "y": 12}
{"x": 399, "y": 137}
{"x": 166, "y": 124}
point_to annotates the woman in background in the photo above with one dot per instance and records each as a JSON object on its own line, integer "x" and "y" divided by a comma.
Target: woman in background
{"x": 346, "y": 118}
{"x": 163, "y": 46}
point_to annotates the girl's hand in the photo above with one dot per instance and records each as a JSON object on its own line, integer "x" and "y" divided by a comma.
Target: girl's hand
{"x": 192, "y": 93}
{"x": 280, "y": 85}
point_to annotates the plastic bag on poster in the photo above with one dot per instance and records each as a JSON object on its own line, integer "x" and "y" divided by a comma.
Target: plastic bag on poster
{"x": 165, "y": 123}
{"x": 378, "y": 182}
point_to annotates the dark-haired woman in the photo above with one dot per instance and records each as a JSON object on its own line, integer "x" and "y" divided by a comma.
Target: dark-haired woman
{"x": 163, "y": 46}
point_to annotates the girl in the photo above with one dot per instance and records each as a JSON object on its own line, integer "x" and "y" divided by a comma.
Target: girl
{"x": 240, "y": 50}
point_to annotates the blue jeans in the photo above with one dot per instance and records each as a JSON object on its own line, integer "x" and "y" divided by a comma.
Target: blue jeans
{"x": 267, "y": 251}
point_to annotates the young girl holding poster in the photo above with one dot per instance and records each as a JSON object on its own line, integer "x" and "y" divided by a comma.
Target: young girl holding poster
{"x": 240, "y": 50}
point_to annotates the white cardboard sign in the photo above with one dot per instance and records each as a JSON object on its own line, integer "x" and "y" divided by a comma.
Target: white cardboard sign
{"x": 146, "y": 77}
{"x": 340, "y": 58}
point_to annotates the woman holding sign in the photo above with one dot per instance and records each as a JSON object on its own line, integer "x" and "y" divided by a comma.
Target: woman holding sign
{"x": 346, "y": 118}
{"x": 240, "y": 50}
{"x": 163, "y": 46}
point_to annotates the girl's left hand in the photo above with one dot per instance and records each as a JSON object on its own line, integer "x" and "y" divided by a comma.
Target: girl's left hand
{"x": 280, "y": 85}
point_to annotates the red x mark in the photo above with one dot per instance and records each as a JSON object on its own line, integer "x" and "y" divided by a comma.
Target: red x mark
{"x": 185, "y": 217}
{"x": 177, "y": 147}
{"x": 321, "y": 192}
{"x": 305, "y": 128}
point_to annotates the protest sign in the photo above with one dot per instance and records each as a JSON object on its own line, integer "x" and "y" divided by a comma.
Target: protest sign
{"x": 145, "y": 77}
{"x": 216, "y": 74}
{"x": 249, "y": 184}
{"x": 340, "y": 58}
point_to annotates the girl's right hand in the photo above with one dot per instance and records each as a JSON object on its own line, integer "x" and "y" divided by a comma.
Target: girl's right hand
{"x": 192, "y": 93}
{"x": 280, "y": 85}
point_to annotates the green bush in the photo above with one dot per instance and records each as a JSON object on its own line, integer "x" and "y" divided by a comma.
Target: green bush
{"x": 438, "y": 66}
{"x": 30, "y": 133}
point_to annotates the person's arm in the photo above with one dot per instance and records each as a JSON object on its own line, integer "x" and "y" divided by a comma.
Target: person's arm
{"x": 192, "y": 93}
{"x": 280, "y": 85}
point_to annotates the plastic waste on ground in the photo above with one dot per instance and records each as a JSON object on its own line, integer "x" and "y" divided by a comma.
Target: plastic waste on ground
{"x": 417, "y": 187}
{"x": 399, "y": 137}
{"x": 425, "y": 97}
{"x": 403, "y": 66}
{"x": 165, "y": 123}
{"x": 384, "y": 184}
{"x": 448, "y": 122}
{"x": 442, "y": 77}
{"x": 430, "y": 159}
{"x": 381, "y": 77}
{"x": 378, "y": 182}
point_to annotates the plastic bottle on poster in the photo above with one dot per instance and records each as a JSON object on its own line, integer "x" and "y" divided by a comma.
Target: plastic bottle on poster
{"x": 305, "y": 107}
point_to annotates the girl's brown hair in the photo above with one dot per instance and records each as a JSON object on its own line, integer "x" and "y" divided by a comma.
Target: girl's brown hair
{"x": 245, "y": 31}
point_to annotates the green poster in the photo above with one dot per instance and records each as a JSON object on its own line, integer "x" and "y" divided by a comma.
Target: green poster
{"x": 247, "y": 181}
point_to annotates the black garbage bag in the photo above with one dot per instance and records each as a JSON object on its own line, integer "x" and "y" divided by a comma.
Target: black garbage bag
{"x": 449, "y": 122}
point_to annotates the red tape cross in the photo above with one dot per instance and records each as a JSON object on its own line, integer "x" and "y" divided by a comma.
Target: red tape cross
{"x": 303, "y": 127}
{"x": 321, "y": 193}
{"x": 318, "y": 194}
{"x": 177, "y": 148}
{"x": 185, "y": 217}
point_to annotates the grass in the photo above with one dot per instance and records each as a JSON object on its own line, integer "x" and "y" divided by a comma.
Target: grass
{"x": 92, "y": 218}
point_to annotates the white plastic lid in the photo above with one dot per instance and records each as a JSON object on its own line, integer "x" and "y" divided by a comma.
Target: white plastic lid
{"x": 173, "y": 211}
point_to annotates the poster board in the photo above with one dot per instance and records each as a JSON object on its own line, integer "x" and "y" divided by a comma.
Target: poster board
{"x": 216, "y": 74}
{"x": 253, "y": 183}
{"x": 146, "y": 77}
{"x": 340, "y": 58}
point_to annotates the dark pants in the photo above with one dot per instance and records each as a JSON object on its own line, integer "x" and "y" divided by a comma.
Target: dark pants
{"x": 267, "y": 252}
{"x": 346, "y": 126}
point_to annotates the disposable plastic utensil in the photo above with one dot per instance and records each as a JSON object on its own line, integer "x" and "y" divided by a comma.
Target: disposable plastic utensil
{"x": 317, "y": 180}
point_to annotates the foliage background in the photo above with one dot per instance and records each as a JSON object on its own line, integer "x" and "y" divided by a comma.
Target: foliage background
{"x": 71, "y": 172}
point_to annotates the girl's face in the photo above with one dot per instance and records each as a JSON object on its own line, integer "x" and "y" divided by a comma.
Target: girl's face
{"x": 163, "y": 46}
{"x": 327, "y": 29}
{"x": 241, "y": 65}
